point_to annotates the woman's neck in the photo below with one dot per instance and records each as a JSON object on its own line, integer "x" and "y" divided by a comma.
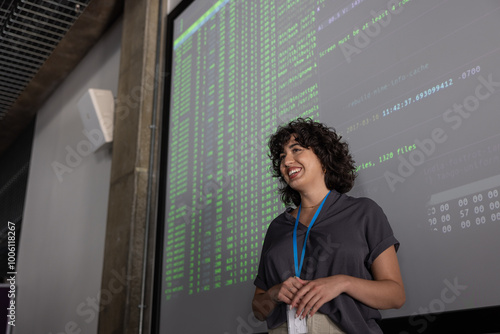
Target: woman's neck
{"x": 313, "y": 199}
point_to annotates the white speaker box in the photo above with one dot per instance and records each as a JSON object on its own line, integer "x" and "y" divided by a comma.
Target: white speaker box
{"x": 96, "y": 110}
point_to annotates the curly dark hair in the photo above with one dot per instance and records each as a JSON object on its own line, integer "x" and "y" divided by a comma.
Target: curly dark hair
{"x": 333, "y": 154}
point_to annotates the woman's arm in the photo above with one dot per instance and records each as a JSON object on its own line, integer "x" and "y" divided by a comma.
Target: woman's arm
{"x": 264, "y": 302}
{"x": 384, "y": 292}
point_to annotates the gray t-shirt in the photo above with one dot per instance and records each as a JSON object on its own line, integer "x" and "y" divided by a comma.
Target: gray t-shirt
{"x": 346, "y": 238}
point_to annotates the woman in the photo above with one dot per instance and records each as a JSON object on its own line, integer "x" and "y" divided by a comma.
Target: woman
{"x": 349, "y": 267}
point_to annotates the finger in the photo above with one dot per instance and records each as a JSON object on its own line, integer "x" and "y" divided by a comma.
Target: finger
{"x": 302, "y": 302}
{"x": 313, "y": 305}
{"x": 279, "y": 295}
{"x": 295, "y": 283}
{"x": 283, "y": 298}
{"x": 286, "y": 294}
{"x": 304, "y": 290}
{"x": 287, "y": 288}
{"x": 293, "y": 290}
{"x": 301, "y": 281}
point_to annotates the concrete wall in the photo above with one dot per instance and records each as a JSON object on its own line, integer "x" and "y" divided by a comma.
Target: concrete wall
{"x": 61, "y": 248}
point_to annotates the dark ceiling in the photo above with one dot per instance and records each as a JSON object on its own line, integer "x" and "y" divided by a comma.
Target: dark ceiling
{"x": 41, "y": 42}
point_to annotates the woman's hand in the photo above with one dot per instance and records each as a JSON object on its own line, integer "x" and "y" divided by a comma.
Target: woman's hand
{"x": 315, "y": 293}
{"x": 285, "y": 292}
{"x": 264, "y": 302}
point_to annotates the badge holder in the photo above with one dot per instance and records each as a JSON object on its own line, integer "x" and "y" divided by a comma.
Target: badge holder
{"x": 296, "y": 325}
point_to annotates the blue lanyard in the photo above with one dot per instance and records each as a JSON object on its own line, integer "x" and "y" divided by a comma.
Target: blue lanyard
{"x": 298, "y": 268}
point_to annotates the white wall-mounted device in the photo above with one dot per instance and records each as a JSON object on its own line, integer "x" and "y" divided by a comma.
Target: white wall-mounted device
{"x": 96, "y": 109}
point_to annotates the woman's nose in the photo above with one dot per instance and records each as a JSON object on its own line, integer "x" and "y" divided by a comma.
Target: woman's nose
{"x": 287, "y": 160}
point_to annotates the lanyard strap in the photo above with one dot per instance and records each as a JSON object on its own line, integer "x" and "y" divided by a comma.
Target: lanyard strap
{"x": 298, "y": 267}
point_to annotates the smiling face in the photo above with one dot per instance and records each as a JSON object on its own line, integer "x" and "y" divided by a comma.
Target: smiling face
{"x": 301, "y": 167}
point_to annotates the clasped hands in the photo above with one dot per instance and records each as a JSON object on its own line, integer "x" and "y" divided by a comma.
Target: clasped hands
{"x": 307, "y": 296}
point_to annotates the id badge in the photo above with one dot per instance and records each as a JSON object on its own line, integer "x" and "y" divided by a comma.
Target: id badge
{"x": 295, "y": 324}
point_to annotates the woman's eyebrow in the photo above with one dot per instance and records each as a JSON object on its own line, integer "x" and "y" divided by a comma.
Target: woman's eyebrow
{"x": 290, "y": 147}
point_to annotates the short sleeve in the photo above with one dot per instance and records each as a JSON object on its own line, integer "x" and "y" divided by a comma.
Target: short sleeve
{"x": 276, "y": 259}
{"x": 379, "y": 233}
{"x": 260, "y": 278}
{"x": 265, "y": 274}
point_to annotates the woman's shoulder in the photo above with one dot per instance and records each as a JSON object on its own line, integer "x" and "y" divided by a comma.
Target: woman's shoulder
{"x": 278, "y": 226}
{"x": 364, "y": 203}
{"x": 282, "y": 218}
